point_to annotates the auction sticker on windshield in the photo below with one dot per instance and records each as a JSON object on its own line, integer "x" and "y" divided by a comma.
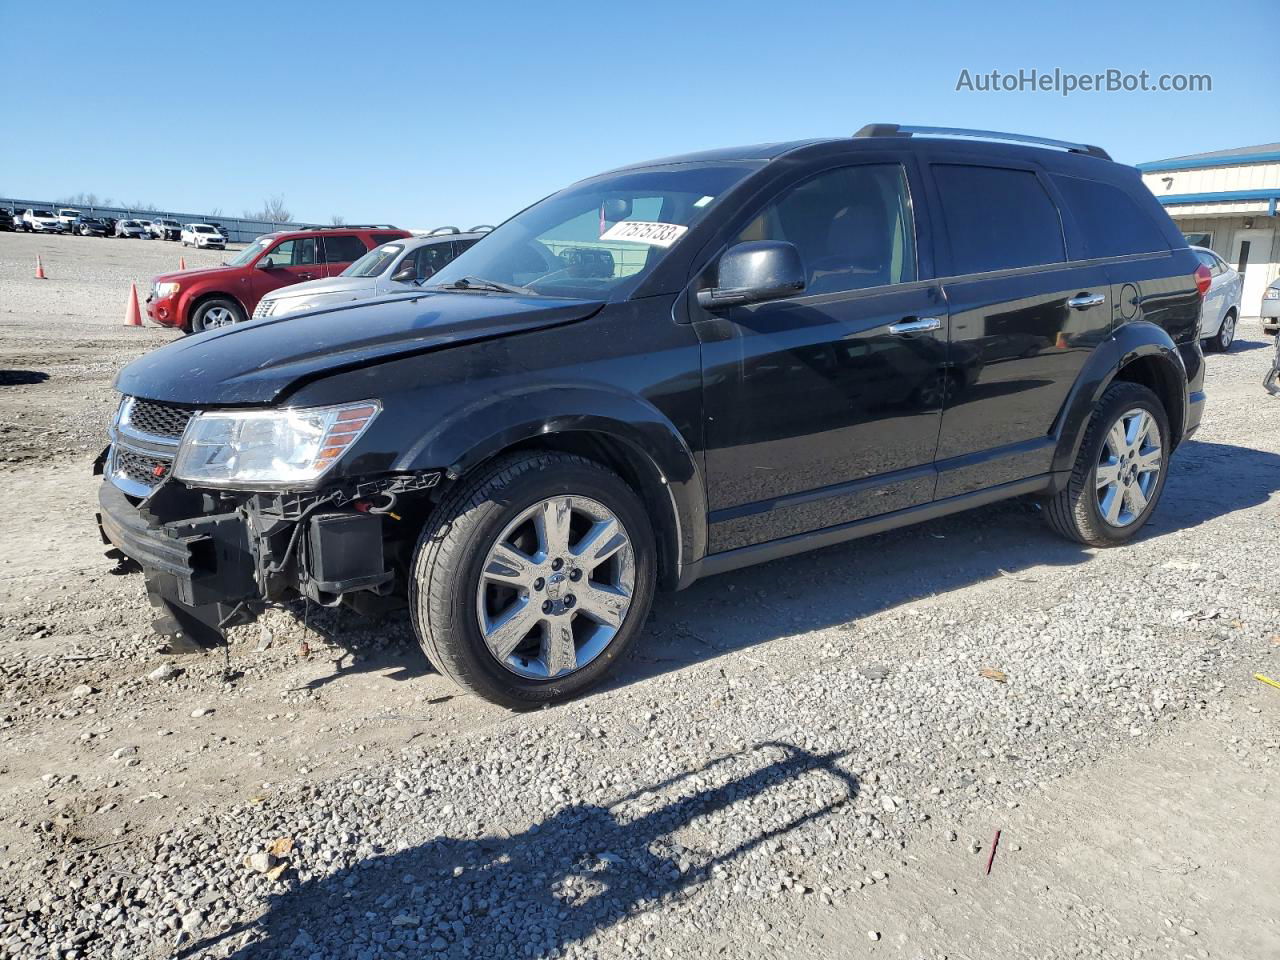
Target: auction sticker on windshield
{"x": 645, "y": 231}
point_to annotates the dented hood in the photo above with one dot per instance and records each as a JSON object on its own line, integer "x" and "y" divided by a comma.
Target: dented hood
{"x": 259, "y": 361}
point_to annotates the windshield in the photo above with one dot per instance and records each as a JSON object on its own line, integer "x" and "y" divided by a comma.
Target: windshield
{"x": 373, "y": 262}
{"x": 599, "y": 238}
{"x": 200, "y": 228}
{"x": 248, "y": 253}
{"x": 42, "y": 213}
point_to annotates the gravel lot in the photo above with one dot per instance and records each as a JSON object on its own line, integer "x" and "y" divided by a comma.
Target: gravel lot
{"x": 805, "y": 759}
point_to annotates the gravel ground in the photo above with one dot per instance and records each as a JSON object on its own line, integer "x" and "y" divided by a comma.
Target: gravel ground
{"x": 804, "y": 759}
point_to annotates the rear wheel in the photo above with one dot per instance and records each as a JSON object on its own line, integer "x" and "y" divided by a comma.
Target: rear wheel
{"x": 1226, "y": 335}
{"x": 1119, "y": 473}
{"x": 532, "y": 580}
{"x": 216, "y": 313}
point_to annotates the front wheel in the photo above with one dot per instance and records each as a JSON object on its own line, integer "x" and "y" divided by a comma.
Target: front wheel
{"x": 533, "y": 579}
{"x": 213, "y": 314}
{"x": 1119, "y": 472}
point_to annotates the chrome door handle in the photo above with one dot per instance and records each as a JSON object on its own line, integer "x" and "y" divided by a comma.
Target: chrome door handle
{"x": 1087, "y": 300}
{"x": 922, "y": 325}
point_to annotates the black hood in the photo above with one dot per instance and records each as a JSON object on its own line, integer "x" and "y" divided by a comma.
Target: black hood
{"x": 258, "y": 361}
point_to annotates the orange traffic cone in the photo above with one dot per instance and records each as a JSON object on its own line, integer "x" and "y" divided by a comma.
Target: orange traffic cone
{"x": 132, "y": 318}
{"x": 182, "y": 263}
{"x": 40, "y": 269}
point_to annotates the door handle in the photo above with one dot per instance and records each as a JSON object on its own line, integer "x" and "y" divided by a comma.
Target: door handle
{"x": 921, "y": 325}
{"x": 1086, "y": 300}
{"x": 307, "y": 276}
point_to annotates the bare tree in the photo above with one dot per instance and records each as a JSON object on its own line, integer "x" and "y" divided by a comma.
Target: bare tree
{"x": 338, "y": 220}
{"x": 144, "y": 207}
{"x": 81, "y": 199}
{"x": 273, "y": 209}
{"x": 216, "y": 212}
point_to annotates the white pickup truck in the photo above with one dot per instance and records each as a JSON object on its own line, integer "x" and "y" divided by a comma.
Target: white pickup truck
{"x": 66, "y": 217}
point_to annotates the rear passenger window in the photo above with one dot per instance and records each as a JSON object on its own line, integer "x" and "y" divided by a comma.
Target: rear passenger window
{"x": 343, "y": 249}
{"x": 1112, "y": 223}
{"x": 380, "y": 238}
{"x": 851, "y": 226}
{"x": 997, "y": 219}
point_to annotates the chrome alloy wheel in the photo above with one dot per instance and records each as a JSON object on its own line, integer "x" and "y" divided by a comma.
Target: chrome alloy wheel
{"x": 218, "y": 317}
{"x": 1128, "y": 467}
{"x": 555, "y": 587}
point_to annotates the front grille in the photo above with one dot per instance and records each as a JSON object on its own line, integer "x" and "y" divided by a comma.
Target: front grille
{"x": 158, "y": 419}
{"x": 140, "y": 468}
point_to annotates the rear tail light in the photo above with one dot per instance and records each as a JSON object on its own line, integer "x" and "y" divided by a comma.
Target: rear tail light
{"x": 1203, "y": 279}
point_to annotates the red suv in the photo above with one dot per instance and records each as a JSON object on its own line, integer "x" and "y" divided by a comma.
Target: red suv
{"x": 198, "y": 300}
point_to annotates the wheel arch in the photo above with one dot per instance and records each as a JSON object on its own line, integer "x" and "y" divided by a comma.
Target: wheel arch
{"x": 1140, "y": 352}
{"x": 622, "y": 431}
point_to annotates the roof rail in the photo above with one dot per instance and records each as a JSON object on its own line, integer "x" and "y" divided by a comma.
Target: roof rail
{"x": 441, "y": 231}
{"x": 481, "y": 228}
{"x": 343, "y": 226}
{"x": 905, "y": 130}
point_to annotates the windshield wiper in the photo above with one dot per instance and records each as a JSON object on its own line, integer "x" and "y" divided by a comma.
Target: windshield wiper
{"x": 480, "y": 283}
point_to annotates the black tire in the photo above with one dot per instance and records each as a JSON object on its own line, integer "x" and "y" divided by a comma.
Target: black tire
{"x": 455, "y": 543}
{"x": 1221, "y": 341}
{"x": 202, "y": 311}
{"x": 1074, "y": 512}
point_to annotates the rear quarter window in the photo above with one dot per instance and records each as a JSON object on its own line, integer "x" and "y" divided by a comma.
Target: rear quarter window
{"x": 343, "y": 249}
{"x": 997, "y": 218}
{"x": 380, "y": 238}
{"x": 1111, "y": 221}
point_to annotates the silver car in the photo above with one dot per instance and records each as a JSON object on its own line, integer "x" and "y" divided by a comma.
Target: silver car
{"x": 399, "y": 266}
{"x": 1270, "y": 310}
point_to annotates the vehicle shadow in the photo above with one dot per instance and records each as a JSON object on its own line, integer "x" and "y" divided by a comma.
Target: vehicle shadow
{"x": 22, "y": 378}
{"x": 533, "y": 893}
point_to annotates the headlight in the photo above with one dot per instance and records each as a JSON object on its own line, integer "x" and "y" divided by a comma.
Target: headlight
{"x": 165, "y": 290}
{"x": 1273, "y": 293}
{"x": 256, "y": 448}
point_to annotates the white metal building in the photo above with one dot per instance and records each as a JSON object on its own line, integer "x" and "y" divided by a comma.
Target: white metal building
{"x": 1227, "y": 200}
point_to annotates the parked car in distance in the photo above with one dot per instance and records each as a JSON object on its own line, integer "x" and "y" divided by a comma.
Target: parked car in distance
{"x": 1270, "y": 309}
{"x": 6, "y": 219}
{"x": 110, "y": 224}
{"x": 66, "y": 216}
{"x": 401, "y": 266}
{"x": 166, "y": 229}
{"x": 130, "y": 228}
{"x": 665, "y": 372}
{"x": 42, "y": 221}
{"x": 146, "y": 229}
{"x": 1221, "y": 311}
{"x": 202, "y": 235}
{"x": 197, "y": 300}
{"x": 221, "y": 229}
{"x": 88, "y": 227}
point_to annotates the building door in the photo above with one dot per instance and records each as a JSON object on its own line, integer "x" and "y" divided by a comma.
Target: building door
{"x": 1251, "y": 256}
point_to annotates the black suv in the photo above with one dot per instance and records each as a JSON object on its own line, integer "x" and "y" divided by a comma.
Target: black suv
{"x": 665, "y": 372}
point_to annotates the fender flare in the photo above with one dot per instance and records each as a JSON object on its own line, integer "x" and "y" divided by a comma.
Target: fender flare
{"x": 656, "y": 453}
{"x": 1132, "y": 342}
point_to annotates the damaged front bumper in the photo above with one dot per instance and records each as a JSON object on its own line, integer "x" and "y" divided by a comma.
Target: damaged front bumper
{"x": 214, "y": 561}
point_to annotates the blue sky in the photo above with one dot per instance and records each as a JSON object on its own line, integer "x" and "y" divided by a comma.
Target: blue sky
{"x": 463, "y": 112}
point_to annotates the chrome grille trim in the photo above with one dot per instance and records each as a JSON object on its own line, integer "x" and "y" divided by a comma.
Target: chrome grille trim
{"x": 145, "y": 435}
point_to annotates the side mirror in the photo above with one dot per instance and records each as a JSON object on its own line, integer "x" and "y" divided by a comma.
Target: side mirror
{"x": 755, "y": 271}
{"x": 407, "y": 273}
{"x": 264, "y": 264}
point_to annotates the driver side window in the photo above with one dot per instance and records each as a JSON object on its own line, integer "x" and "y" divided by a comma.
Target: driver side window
{"x": 293, "y": 253}
{"x": 851, "y": 226}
